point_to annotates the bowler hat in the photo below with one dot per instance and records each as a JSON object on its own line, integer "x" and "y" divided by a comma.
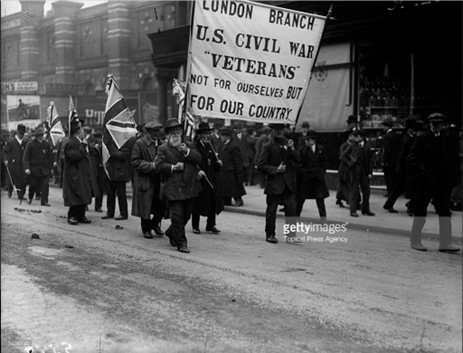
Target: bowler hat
{"x": 436, "y": 118}
{"x": 21, "y": 128}
{"x": 276, "y": 126}
{"x": 226, "y": 131}
{"x": 170, "y": 124}
{"x": 311, "y": 134}
{"x": 305, "y": 124}
{"x": 203, "y": 127}
{"x": 351, "y": 119}
{"x": 38, "y": 131}
{"x": 153, "y": 125}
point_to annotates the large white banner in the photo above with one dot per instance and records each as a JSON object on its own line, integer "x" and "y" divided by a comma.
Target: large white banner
{"x": 250, "y": 61}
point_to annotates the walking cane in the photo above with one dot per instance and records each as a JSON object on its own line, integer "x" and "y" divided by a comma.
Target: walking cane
{"x": 14, "y": 187}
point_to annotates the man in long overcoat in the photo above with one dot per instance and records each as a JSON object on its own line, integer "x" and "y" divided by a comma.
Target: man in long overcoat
{"x": 278, "y": 162}
{"x": 435, "y": 165}
{"x": 209, "y": 201}
{"x": 13, "y": 158}
{"x": 146, "y": 199}
{"x": 178, "y": 164}
{"x": 96, "y": 158}
{"x": 38, "y": 164}
{"x": 79, "y": 182}
{"x": 311, "y": 175}
{"x": 232, "y": 175}
{"x": 390, "y": 156}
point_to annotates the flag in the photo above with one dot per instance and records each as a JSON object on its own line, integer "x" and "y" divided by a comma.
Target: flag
{"x": 56, "y": 128}
{"x": 189, "y": 121}
{"x": 118, "y": 125}
{"x": 72, "y": 114}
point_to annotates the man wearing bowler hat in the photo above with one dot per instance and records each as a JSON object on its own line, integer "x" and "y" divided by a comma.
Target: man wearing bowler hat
{"x": 79, "y": 181}
{"x": 436, "y": 167}
{"x": 277, "y": 161}
{"x": 300, "y": 142}
{"x": 146, "y": 199}
{"x": 38, "y": 164}
{"x": 178, "y": 164}
{"x": 13, "y": 158}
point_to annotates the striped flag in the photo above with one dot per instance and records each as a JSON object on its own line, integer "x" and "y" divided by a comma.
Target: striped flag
{"x": 72, "y": 114}
{"x": 189, "y": 121}
{"x": 56, "y": 128}
{"x": 118, "y": 125}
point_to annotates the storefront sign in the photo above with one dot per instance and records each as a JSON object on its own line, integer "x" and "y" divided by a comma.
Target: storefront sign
{"x": 9, "y": 87}
{"x": 250, "y": 61}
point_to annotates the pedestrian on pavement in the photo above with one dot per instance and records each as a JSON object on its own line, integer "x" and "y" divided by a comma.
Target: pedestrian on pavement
{"x": 232, "y": 175}
{"x": 177, "y": 162}
{"x": 209, "y": 201}
{"x": 311, "y": 175}
{"x": 343, "y": 193}
{"x": 301, "y": 139}
{"x": 400, "y": 171}
{"x": 252, "y": 171}
{"x": 79, "y": 182}
{"x": 38, "y": 164}
{"x": 119, "y": 169}
{"x": 13, "y": 154}
{"x": 215, "y": 137}
{"x": 96, "y": 157}
{"x": 436, "y": 167}
{"x": 278, "y": 162}
{"x": 390, "y": 154}
{"x": 357, "y": 157}
{"x": 146, "y": 199}
{"x": 241, "y": 138}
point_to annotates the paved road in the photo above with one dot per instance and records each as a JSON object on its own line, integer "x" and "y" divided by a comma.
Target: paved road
{"x": 103, "y": 289}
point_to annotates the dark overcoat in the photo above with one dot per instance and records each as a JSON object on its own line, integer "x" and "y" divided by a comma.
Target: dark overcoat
{"x": 232, "y": 175}
{"x": 208, "y": 197}
{"x": 146, "y": 182}
{"x": 38, "y": 158}
{"x": 401, "y": 169}
{"x": 179, "y": 185}
{"x": 79, "y": 184}
{"x": 119, "y": 164}
{"x": 271, "y": 157}
{"x": 391, "y": 149}
{"x": 311, "y": 174}
{"x": 13, "y": 152}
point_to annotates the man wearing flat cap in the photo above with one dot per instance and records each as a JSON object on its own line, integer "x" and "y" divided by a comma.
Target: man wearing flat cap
{"x": 278, "y": 161}
{"x": 436, "y": 168}
{"x": 79, "y": 181}
{"x": 13, "y": 153}
{"x": 146, "y": 199}
{"x": 38, "y": 164}
{"x": 232, "y": 175}
{"x": 177, "y": 162}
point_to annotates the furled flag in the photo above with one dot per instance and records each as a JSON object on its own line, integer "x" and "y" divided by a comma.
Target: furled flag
{"x": 72, "y": 114}
{"x": 56, "y": 128}
{"x": 189, "y": 121}
{"x": 118, "y": 125}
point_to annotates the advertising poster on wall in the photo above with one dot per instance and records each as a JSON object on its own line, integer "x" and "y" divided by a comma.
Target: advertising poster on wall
{"x": 23, "y": 109}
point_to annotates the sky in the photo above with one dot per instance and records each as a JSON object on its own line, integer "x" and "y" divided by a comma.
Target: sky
{"x": 10, "y": 7}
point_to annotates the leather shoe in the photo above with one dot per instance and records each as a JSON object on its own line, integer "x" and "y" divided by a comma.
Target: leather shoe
{"x": 120, "y": 218}
{"x": 339, "y": 203}
{"x": 272, "y": 239}
{"x": 238, "y": 203}
{"x": 158, "y": 231}
{"x": 196, "y": 231}
{"x": 390, "y": 209}
{"x": 45, "y": 204}
{"x": 84, "y": 220}
{"x": 368, "y": 213}
{"x": 29, "y": 200}
{"x": 148, "y": 235}
{"x": 354, "y": 214}
{"x": 169, "y": 235}
{"x": 107, "y": 217}
{"x": 184, "y": 249}
{"x": 213, "y": 229}
{"x": 419, "y": 247}
{"x": 449, "y": 249}
{"x": 73, "y": 221}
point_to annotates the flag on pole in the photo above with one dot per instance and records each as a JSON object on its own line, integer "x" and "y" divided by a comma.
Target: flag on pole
{"x": 56, "y": 128}
{"x": 118, "y": 125}
{"x": 72, "y": 114}
{"x": 188, "y": 120}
